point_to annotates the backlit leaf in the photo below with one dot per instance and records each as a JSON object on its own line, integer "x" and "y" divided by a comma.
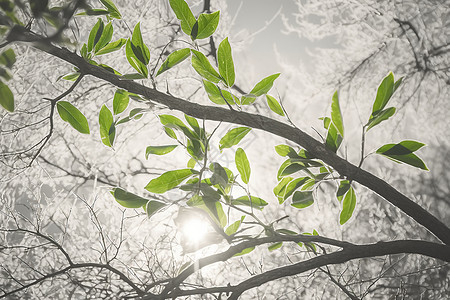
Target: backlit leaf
{"x": 233, "y": 137}
{"x": 403, "y": 152}
{"x": 255, "y": 202}
{"x": 243, "y": 165}
{"x": 261, "y": 88}
{"x": 111, "y": 47}
{"x": 105, "y": 38}
{"x": 336, "y": 115}
{"x": 274, "y": 105}
{"x": 107, "y": 130}
{"x": 73, "y": 116}
{"x": 225, "y": 62}
{"x": 168, "y": 180}
{"x": 6, "y": 97}
{"x": 159, "y": 150}
{"x": 8, "y": 58}
{"x": 348, "y": 206}
{"x": 114, "y": 12}
{"x": 384, "y": 93}
{"x": 380, "y": 116}
{"x": 120, "y": 102}
{"x": 184, "y": 14}
{"x": 203, "y": 67}
{"x": 173, "y": 59}
{"x": 95, "y": 35}
{"x": 127, "y": 199}
{"x": 207, "y": 24}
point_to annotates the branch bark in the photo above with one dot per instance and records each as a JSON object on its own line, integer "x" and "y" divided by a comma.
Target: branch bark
{"x": 317, "y": 149}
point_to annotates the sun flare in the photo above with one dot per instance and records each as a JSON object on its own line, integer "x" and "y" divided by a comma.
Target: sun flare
{"x": 194, "y": 230}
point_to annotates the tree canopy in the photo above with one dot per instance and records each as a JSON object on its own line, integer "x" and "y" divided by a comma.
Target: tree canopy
{"x": 136, "y": 162}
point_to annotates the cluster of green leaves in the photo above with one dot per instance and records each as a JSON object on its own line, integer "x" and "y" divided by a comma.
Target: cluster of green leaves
{"x": 7, "y": 60}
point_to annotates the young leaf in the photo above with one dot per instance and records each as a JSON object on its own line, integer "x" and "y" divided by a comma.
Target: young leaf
{"x": 245, "y": 251}
{"x": 233, "y": 228}
{"x": 193, "y": 123}
{"x": 243, "y": 165}
{"x": 255, "y": 202}
{"x": 274, "y": 105}
{"x": 134, "y": 61}
{"x": 261, "y": 88}
{"x": 71, "y": 77}
{"x": 6, "y": 97}
{"x": 225, "y": 62}
{"x": 348, "y": 206}
{"x": 173, "y": 59}
{"x": 380, "y": 116}
{"x": 233, "y": 137}
{"x": 73, "y": 116}
{"x": 302, "y": 199}
{"x": 114, "y": 12}
{"x": 207, "y": 24}
{"x": 343, "y": 188}
{"x": 403, "y": 152}
{"x": 184, "y": 14}
{"x": 213, "y": 92}
{"x": 127, "y": 199}
{"x": 107, "y": 129}
{"x": 293, "y": 186}
{"x": 8, "y": 58}
{"x": 334, "y": 138}
{"x": 95, "y": 35}
{"x": 138, "y": 46}
{"x": 275, "y": 246}
{"x": 203, "y": 67}
{"x": 159, "y": 150}
{"x": 152, "y": 207}
{"x": 336, "y": 115}
{"x": 384, "y": 93}
{"x": 285, "y": 150}
{"x": 280, "y": 189}
{"x": 120, "y": 102}
{"x": 105, "y": 37}
{"x": 168, "y": 181}
{"x": 111, "y": 47}
{"x": 174, "y": 122}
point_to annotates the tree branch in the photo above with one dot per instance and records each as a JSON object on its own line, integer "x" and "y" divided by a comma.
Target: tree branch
{"x": 317, "y": 149}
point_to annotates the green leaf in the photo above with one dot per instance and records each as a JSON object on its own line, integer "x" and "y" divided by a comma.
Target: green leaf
{"x": 111, "y": 47}
{"x": 275, "y": 246}
{"x": 255, "y": 202}
{"x": 274, "y": 105}
{"x": 286, "y": 231}
{"x": 403, "y": 152}
{"x": 225, "y": 62}
{"x": 168, "y": 181}
{"x": 233, "y": 137}
{"x": 105, "y": 37}
{"x": 5, "y": 74}
{"x": 95, "y": 35}
{"x": 243, "y": 165}
{"x": 245, "y": 251}
{"x": 233, "y": 228}
{"x": 71, "y": 77}
{"x": 138, "y": 46}
{"x": 343, "y": 188}
{"x": 336, "y": 115}
{"x": 203, "y": 67}
{"x": 191, "y": 163}
{"x": 174, "y": 122}
{"x": 134, "y": 61}
{"x": 348, "y": 206}
{"x": 193, "y": 123}
{"x": 8, "y": 58}
{"x": 194, "y": 31}
{"x": 6, "y": 97}
{"x": 219, "y": 175}
{"x": 293, "y": 186}
{"x": 73, "y": 116}
{"x": 114, "y": 12}
{"x": 207, "y": 24}
{"x": 94, "y": 12}
{"x": 285, "y": 150}
{"x": 120, "y": 102}
{"x": 127, "y": 199}
{"x": 184, "y": 14}
{"x": 213, "y": 92}
{"x": 169, "y": 131}
{"x": 334, "y": 138}
{"x": 384, "y": 93}
{"x": 107, "y": 129}
{"x": 302, "y": 199}
{"x": 280, "y": 189}
{"x": 211, "y": 206}
{"x": 159, "y": 150}
{"x": 152, "y": 207}
{"x": 261, "y": 88}
{"x": 173, "y": 59}
{"x": 380, "y": 116}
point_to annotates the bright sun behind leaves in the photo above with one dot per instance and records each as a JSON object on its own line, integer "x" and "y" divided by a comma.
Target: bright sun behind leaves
{"x": 194, "y": 230}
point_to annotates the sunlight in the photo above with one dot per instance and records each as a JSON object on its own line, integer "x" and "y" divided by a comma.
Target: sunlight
{"x": 194, "y": 230}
